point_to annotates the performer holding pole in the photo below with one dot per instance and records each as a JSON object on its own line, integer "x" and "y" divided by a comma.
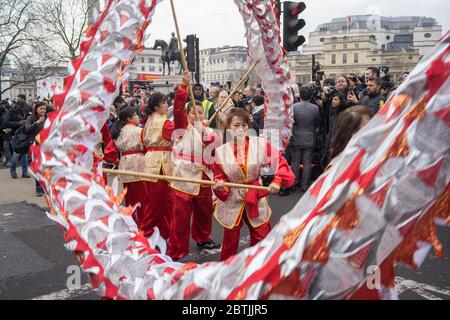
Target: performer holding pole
{"x": 126, "y": 149}
{"x": 157, "y": 137}
{"x": 190, "y": 199}
{"x": 240, "y": 160}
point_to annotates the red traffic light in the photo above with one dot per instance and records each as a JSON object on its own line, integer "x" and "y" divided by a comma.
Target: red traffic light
{"x": 294, "y": 9}
{"x": 292, "y": 24}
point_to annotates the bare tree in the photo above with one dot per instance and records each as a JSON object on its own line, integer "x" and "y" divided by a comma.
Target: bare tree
{"x": 23, "y": 42}
{"x": 66, "y": 22}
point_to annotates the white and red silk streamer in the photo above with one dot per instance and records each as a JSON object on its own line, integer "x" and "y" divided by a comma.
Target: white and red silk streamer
{"x": 264, "y": 44}
{"x": 375, "y": 207}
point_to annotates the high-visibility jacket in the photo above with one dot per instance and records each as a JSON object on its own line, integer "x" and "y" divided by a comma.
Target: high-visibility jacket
{"x": 206, "y": 108}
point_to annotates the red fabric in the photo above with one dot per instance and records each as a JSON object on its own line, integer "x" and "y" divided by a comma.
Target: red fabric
{"x": 158, "y": 209}
{"x": 111, "y": 153}
{"x": 128, "y": 153}
{"x": 137, "y": 193}
{"x": 168, "y": 129}
{"x": 230, "y": 243}
{"x": 179, "y": 107}
{"x": 106, "y": 134}
{"x": 184, "y": 206}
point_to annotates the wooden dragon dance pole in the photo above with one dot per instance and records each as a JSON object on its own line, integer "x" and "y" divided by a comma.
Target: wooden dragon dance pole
{"x": 171, "y": 178}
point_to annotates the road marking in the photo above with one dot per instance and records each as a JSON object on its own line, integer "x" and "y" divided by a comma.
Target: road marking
{"x": 66, "y": 294}
{"x": 424, "y": 290}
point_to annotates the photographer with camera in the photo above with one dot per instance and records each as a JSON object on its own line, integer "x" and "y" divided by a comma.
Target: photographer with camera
{"x": 374, "y": 99}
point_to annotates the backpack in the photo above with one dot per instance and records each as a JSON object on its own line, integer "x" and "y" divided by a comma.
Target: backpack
{"x": 20, "y": 141}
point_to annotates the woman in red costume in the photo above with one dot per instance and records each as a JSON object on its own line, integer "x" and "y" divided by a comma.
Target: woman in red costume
{"x": 189, "y": 199}
{"x": 126, "y": 150}
{"x": 240, "y": 161}
{"x": 157, "y": 137}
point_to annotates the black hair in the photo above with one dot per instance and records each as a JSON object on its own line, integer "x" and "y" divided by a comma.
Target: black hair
{"x": 118, "y": 100}
{"x": 258, "y": 100}
{"x": 154, "y": 101}
{"x": 374, "y": 70}
{"x": 306, "y": 93}
{"x": 39, "y": 104}
{"x": 124, "y": 115}
{"x": 329, "y": 82}
{"x": 190, "y": 105}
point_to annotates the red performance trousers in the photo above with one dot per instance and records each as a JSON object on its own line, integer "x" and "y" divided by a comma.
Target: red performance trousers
{"x": 230, "y": 243}
{"x": 157, "y": 212}
{"x": 137, "y": 193}
{"x": 200, "y": 207}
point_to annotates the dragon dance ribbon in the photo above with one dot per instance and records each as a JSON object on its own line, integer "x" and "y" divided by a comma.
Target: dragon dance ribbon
{"x": 377, "y": 206}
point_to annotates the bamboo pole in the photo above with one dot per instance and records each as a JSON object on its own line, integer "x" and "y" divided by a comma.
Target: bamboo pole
{"x": 236, "y": 88}
{"x": 183, "y": 59}
{"x": 171, "y": 178}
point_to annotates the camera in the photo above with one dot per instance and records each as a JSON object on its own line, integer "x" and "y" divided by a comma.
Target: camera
{"x": 316, "y": 93}
{"x": 387, "y": 76}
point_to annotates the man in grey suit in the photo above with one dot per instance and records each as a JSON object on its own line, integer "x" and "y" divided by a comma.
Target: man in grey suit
{"x": 303, "y": 140}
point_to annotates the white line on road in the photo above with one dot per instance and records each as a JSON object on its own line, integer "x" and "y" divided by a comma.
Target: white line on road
{"x": 424, "y": 290}
{"x": 66, "y": 294}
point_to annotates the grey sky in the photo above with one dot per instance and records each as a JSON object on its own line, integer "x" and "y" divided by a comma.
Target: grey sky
{"x": 218, "y": 22}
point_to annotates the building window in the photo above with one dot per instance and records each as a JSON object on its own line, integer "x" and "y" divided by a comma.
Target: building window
{"x": 356, "y": 58}
{"x": 345, "y": 46}
{"x": 152, "y": 68}
{"x": 142, "y": 68}
{"x": 374, "y": 59}
{"x": 142, "y": 60}
{"x": 344, "y": 58}
{"x": 333, "y": 47}
{"x": 333, "y": 59}
{"x": 151, "y": 60}
{"x": 388, "y": 37}
{"x": 427, "y": 35}
{"x": 356, "y": 45}
{"x": 410, "y": 57}
{"x": 322, "y": 39}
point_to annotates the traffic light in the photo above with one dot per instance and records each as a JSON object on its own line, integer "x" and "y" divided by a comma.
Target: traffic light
{"x": 190, "y": 51}
{"x": 292, "y": 25}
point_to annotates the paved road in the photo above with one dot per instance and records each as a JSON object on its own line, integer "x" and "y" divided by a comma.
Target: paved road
{"x": 34, "y": 264}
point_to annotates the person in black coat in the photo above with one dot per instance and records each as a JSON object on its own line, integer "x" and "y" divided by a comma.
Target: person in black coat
{"x": 304, "y": 136}
{"x": 5, "y": 149}
{"x": 34, "y": 124}
{"x": 16, "y": 118}
{"x": 258, "y": 114}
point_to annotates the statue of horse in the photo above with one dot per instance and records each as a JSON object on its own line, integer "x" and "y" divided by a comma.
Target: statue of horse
{"x": 168, "y": 56}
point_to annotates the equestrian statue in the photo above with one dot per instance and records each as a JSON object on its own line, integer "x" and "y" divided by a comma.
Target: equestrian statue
{"x": 170, "y": 53}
